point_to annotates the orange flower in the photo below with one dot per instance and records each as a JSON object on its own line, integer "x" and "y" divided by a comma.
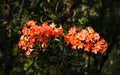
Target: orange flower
{"x": 80, "y": 45}
{"x": 83, "y": 34}
{"x": 104, "y": 47}
{"x": 66, "y": 39}
{"x": 95, "y": 36}
{"x": 90, "y": 29}
{"x": 100, "y": 46}
{"x": 58, "y": 32}
{"x": 23, "y": 41}
{"x": 28, "y": 51}
{"x": 31, "y": 23}
{"x": 72, "y": 30}
{"x": 25, "y": 31}
{"x": 22, "y": 44}
{"x": 53, "y": 25}
{"x": 96, "y": 47}
{"x": 87, "y": 47}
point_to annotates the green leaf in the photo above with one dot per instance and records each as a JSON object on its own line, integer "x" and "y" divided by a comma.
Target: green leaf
{"x": 27, "y": 65}
{"x": 56, "y": 39}
{"x": 41, "y": 4}
{"x": 83, "y": 20}
{"x": 41, "y": 19}
{"x": 38, "y": 73}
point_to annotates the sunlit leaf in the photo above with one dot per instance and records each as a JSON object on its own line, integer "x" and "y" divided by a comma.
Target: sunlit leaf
{"x": 27, "y": 65}
{"x": 83, "y": 20}
{"x": 41, "y": 19}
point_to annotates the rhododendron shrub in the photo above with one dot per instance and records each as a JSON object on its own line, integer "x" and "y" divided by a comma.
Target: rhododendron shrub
{"x": 85, "y": 39}
{"x": 48, "y": 43}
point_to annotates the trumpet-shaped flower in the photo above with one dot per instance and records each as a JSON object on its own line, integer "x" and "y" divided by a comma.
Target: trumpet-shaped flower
{"x": 86, "y": 39}
{"x": 32, "y": 33}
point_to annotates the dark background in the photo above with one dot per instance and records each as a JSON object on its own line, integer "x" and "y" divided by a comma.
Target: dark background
{"x": 102, "y": 15}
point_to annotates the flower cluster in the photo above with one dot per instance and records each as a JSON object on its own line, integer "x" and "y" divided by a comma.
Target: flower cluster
{"x": 85, "y": 39}
{"x": 32, "y": 33}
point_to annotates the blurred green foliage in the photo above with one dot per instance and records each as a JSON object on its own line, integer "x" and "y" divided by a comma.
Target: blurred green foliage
{"x": 102, "y": 15}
